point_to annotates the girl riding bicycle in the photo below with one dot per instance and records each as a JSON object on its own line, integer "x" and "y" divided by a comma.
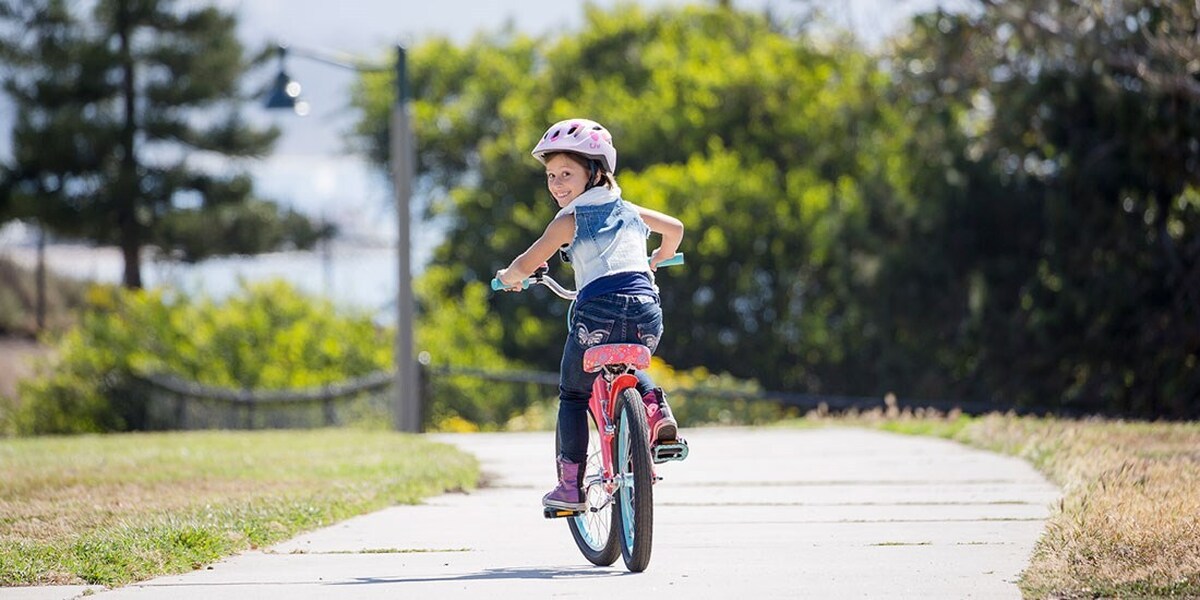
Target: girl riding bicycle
{"x": 604, "y": 238}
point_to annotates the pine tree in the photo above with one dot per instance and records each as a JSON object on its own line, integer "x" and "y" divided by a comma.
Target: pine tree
{"x": 116, "y": 109}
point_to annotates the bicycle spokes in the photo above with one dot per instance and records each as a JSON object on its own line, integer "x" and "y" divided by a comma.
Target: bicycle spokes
{"x": 593, "y": 529}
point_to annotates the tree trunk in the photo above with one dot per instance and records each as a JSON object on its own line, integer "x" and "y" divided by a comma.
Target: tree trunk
{"x": 127, "y": 186}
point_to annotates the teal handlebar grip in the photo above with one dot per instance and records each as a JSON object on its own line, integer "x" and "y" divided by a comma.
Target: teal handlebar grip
{"x": 674, "y": 260}
{"x": 496, "y": 285}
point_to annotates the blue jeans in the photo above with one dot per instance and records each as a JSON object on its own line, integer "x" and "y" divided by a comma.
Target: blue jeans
{"x": 607, "y": 319}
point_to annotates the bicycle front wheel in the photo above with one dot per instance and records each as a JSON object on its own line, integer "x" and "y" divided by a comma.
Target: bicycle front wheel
{"x": 593, "y": 530}
{"x": 634, "y": 474}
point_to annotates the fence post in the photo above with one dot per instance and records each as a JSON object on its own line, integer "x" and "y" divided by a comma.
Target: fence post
{"x": 249, "y": 412}
{"x": 424, "y": 393}
{"x": 327, "y": 404}
{"x": 181, "y": 411}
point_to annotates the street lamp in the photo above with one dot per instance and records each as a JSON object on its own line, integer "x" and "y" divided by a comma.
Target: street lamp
{"x": 285, "y": 93}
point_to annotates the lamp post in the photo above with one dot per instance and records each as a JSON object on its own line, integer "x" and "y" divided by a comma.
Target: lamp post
{"x": 285, "y": 93}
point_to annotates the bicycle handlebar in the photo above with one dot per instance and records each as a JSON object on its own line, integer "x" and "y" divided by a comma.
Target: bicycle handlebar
{"x": 539, "y": 276}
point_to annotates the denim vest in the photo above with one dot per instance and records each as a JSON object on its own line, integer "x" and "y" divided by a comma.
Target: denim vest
{"x": 610, "y": 236}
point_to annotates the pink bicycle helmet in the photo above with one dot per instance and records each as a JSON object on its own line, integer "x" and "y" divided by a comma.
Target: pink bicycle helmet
{"x": 581, "y": 136}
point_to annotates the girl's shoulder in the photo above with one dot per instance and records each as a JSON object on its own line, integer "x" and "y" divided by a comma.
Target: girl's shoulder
{"x": 562, "y": 226}
{"x": 627, "y": 205}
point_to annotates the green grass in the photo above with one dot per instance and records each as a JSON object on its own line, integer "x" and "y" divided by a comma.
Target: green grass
{"x": 1128, "y": 524}
{"x": 115, "y": 509}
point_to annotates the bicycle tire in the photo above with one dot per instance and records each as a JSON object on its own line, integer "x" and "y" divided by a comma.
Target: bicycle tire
{"x": 634, "y": 503}
{"x": 594, "y": 531}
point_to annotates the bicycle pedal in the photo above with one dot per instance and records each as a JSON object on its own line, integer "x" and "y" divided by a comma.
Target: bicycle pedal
{"x": 559, "y": 513}
{"x": 669, "y": 450}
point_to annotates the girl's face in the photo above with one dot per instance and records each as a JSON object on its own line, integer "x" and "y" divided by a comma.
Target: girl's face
{"x": 566, "y": 178}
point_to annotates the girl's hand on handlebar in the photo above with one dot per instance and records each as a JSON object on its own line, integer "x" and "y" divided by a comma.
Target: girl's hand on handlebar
{"x": 516, "y": 286}
{"x": 659, "y": 256}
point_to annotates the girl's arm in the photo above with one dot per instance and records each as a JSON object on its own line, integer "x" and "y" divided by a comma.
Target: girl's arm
{"x": 559, "y": 232}
{"x": 669, "y": 227}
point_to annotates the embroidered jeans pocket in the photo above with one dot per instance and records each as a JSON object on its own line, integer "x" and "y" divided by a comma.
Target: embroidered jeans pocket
{"x": 650, "y": 331}
{"x": 588, "y": 332}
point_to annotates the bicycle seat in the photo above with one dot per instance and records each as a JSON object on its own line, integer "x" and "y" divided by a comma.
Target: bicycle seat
{"x": 596, "y": 357}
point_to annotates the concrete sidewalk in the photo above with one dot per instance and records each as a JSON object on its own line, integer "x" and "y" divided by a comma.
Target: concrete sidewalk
{"x": 775, "y": 513}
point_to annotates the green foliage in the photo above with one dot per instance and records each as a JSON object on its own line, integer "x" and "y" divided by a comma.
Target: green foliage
{"x": 1000, "y": 206}
{"x": 699, "y": 397}
{"x": 463, "y": 334}
{"x": 720, "y": 118}
{"x": 1065, "y": 197}
{"x": 267, "y": 336}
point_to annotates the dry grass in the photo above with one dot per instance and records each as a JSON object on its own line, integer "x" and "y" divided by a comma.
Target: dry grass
{"x": 1128, "y": 524}
{"x": 1129, "y": 521}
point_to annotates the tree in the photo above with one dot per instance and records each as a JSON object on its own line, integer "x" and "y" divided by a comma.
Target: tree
{"x": 1002, "y": 206}
{"x": 117, "y": 111}
{"x": 1079, "y": 120}
{"x": 721, "y": 117}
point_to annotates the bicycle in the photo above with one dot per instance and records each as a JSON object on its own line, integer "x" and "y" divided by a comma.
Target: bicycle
{"x": 619, "y": 474}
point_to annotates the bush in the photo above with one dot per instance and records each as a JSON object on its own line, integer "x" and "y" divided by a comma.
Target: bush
{"x": 463, "y": 334}
{"x": 266, "y": 336}
{"x": 700, "y": 397}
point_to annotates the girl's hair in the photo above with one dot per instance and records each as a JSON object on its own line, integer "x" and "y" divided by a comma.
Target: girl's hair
{"x": 594, "y": 167}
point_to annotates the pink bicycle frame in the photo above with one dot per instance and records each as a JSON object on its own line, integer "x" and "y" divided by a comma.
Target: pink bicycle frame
{"x": 607, "y": 389}
{"x": 603, "y": 406}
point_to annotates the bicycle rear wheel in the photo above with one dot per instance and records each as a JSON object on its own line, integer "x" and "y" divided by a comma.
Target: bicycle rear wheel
{"x": 593, "y": 530}
{"x": 634, "y": 473}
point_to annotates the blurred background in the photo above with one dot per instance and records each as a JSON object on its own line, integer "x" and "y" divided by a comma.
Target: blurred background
{"x": 971, "y": 205}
